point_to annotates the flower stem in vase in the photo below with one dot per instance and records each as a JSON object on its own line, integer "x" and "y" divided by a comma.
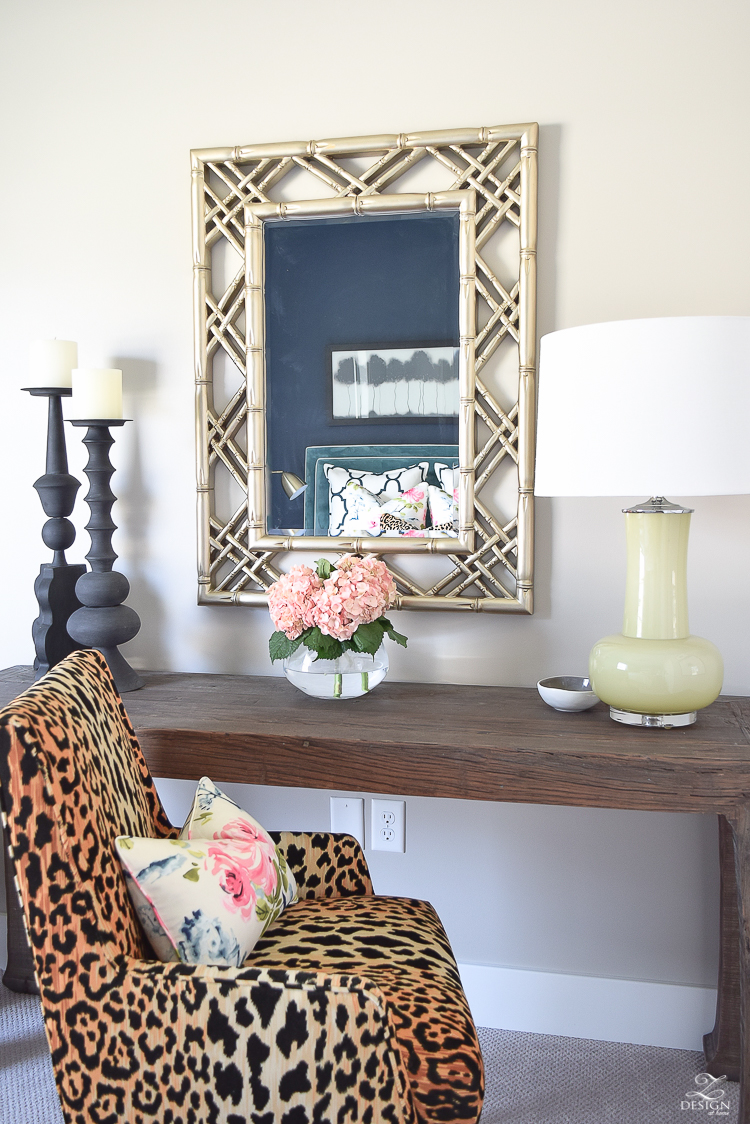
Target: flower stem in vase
{"x": 337, "y": 682}
{"x": 365, "y": 681}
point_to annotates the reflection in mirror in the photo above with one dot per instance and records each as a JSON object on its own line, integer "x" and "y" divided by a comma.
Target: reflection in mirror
{"x": 393, "y": 383}
{"x": 361, "y": 365}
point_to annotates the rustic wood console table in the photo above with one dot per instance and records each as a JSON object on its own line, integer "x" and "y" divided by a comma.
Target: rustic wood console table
{"x": 473, "y": 743}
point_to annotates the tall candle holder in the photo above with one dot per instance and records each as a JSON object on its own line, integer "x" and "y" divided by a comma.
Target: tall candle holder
{"x": 103, "y": 622}
{"x": 55, "y": 585}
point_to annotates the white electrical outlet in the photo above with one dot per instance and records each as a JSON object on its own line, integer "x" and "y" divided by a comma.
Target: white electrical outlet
{"x": 348, "y": 815}
{"x": 388, "y": 825}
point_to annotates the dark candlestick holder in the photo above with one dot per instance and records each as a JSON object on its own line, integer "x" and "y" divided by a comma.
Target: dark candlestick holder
{"x": 104, "y": 622}
{"x": 56, "y": 582}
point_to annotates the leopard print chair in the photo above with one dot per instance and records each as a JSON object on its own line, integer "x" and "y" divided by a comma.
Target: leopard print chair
{"x": 349, "y": 1009}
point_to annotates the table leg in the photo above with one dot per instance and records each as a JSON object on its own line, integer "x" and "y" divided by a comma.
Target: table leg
{"x": 740, "y": 822}
{"x": 19, "y": 973}
{"x": 722, "y": 1045}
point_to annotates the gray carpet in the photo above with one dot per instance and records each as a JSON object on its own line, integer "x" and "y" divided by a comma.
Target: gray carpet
{"x": 531, "y": 1078}
{"x": 545, "y": 1079}
{"x": 27, "y": 1087}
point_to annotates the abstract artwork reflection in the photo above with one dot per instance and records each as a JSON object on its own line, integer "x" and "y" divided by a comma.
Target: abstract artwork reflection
{"x": 407, "y": 382}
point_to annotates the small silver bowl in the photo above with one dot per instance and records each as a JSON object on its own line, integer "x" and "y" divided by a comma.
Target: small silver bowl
{"x": 567, "y": 692}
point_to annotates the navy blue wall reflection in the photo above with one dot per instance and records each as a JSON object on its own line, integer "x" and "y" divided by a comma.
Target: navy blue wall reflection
{"x": 387, "y": 280}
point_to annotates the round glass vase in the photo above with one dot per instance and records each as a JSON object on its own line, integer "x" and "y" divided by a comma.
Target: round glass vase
{"x": 349, "y": 677}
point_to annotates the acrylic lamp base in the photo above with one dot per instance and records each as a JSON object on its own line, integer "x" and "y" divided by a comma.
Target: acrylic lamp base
{"x": 665, "y": 721}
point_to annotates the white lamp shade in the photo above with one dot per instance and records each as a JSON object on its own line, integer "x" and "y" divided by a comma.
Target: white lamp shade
{"x": 645, "y": 408}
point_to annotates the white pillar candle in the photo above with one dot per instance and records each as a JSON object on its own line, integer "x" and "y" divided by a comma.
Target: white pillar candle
{"x": 97, "y": 394}
{"x": 51, "y": 362}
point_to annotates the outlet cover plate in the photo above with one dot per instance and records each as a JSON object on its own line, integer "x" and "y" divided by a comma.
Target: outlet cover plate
{"x": 348, "y": 815}
{"x": 388, "y": 826}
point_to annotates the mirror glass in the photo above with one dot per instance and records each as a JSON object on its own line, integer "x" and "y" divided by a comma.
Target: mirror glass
{"x": 361, "y": 362}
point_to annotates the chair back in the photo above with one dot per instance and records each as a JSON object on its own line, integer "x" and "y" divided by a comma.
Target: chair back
{"x": 73, "y": 778}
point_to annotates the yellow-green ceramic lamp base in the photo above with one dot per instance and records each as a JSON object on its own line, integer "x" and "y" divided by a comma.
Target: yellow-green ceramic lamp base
{"x": 654, "y": 673}
{"x": 658, "y": 678}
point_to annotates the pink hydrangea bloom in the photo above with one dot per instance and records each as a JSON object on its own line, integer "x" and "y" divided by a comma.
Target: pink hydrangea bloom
{"x": 291, "y": 599}
{"x": 359, "y": 591}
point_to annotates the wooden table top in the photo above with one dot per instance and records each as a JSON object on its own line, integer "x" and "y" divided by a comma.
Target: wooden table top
{"x": 490, "y": 743}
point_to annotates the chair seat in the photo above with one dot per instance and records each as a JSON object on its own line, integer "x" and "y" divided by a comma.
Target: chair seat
{"x": 399, "y": 945}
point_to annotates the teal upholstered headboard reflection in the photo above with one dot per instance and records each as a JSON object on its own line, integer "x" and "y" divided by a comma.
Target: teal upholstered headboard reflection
{"x": 372, "y": 458}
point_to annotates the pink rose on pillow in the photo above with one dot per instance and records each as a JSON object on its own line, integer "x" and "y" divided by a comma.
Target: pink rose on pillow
{"x": 235, "y": 880}
{"x": 251, "y": 860}
{"x": 258, "y": 851}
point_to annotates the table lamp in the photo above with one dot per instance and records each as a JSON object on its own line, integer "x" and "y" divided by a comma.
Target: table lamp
{"x": 292, "y": 485}
{"x": 656, "y": 407}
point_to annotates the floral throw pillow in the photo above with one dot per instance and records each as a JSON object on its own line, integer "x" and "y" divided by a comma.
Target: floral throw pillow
{"x": 207, "y": 897}
{"x": 448, "y": 475}
{"x": 392, "y": 481}
{"x": 384, "y": 514}
{"x": 443, "y": 511}
{"x": 214, "y": 815}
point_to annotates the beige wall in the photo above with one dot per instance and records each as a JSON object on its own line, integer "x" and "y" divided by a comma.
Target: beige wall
{"x": 643, "y": 212}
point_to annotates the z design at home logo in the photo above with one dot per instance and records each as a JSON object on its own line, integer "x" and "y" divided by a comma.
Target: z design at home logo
{"x": 708, "y": 1098}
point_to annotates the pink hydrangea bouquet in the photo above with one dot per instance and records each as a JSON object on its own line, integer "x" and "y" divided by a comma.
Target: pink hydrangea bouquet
{"x": 333, "y": 609}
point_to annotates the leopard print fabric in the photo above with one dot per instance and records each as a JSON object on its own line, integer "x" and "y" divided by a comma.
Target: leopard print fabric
{"x": 317, "y": 1039}
{"x": 435, "y": 1033}
{"x": 390, "y": 522}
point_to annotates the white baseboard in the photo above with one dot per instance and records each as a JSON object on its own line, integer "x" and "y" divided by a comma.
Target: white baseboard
{"x": 610, "y": 1010}
{"x": 3, "y": 941}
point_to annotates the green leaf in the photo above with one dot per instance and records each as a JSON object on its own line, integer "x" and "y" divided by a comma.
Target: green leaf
{"x": 283, "y": 870}
{"x": 369, "y": 637}
{"x": 330, "y": 648}
{"x": 325, "y": 647}
{"x": 324, "y": 568}
{"x": 267, "y": 916}
{"x": 126, "y": 843}
{"x": 192, "y": 875}
{"x": 313, "y": 639}
{"x": 279, "y": 646}
{"x": 391, "y": 632}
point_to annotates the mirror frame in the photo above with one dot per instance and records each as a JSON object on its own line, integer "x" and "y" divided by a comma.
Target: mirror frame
{"x": 237, "y": 559}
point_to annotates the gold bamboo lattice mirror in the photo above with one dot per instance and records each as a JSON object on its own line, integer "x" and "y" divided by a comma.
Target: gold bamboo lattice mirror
{"x": 247, "y": 204}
